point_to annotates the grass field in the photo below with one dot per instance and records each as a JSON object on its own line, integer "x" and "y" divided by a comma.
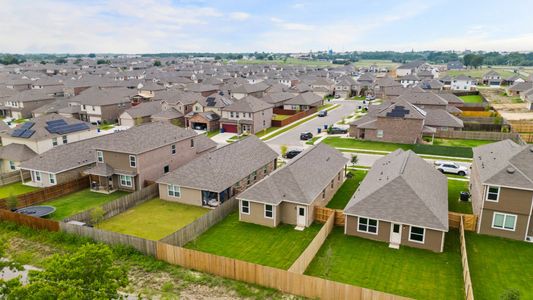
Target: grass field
{"x": 409, "y": 272}
{"x": 15, "y": 189}
{"x": 77, "y": 202}
{"x": 459, "y": 143}
{"x": 280, "y": 117}
{"x": 472, "y": 98}
{"x": 498, "y": 265}
{"x": 347, "y": 189}
{"x": 212, "y": 133}
{"x": 338, "y": 142}
{"x": 378, "y": 62}
{"x": 275, "y": 247}
{"x": 454, "y": 204}
{"x": 153, "y": 219}
{"x": 477, "y": 73}
{"x": 266, "y": 131}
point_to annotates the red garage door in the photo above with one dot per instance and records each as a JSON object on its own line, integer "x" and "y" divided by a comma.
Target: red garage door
{"x": 229, "y": 128}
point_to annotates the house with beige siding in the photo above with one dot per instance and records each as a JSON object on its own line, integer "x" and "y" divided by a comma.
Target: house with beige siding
{"x": 129, "y": 159}
{"x": 290, "y": 194}
{"x": 247, "y": 115}
{"x": 219, "y": 175}
{"x": 501, "y": 185}
{"x": 99, "y": 105}
{"x": 402, "y": 200}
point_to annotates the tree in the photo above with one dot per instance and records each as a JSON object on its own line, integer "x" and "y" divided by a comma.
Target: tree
{"x": 354, "y": 160}
{"x": 12, "y": 202}
{"x": 157, "y": 63}
{"x": 89, "y": 273}
{"x": 97, "y": 215}
{"x": 103, "y": 62}
{"x": 60, "y": 60}
{"x": 283, "y": 150}
{"x": 91, "y": 55}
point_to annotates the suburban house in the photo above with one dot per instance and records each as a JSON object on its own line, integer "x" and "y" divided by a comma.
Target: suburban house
{"x": 501, "y": 185}
{"x": 409, "y": 68}
{"x": 103, "y": 105}
{"x": 343, "y": 87}
{"x": 290, "y": 194}
{"x": 402, "y": 200}
{"x": 256, "y": 90}
{"x": 248, "y": 114}
{"x": 399, "y": 122}
{"x": 519, "y": 88}
{"x": 322, "y": 86}
{"x": 463, "y": 83}
{"x": 140, "y": 114}
{"x": 492, "y": 78}
{"x": 127, "y": 160}
{"x": 48, "y": 131}
{"x": 21, "y": 104}
{"x": 206, "y": 112}
{"x": 220, "y": 174}
{"x": 304, "y": 101}
{"x": 409, "y": 80}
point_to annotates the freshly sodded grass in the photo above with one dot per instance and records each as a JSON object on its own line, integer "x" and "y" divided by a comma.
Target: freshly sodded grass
{"x": 153, "y": 219}
{"x": 77, "y": 202}
{"x": 498, "y": 265}
{"x": 19, "y": 121}
{"x": 339, "y": 142}
{"x": 472, "y": 98}
{"x": 454, "y": 204}
{"x": 460, "y": 143}
{"x": 266, "y": 131}
{"x": 275, "y": 247}
{"x": 347, "y": 189}
{"x": 280, "y": 117}
{"x": 212, "y": 133}
{"x": 410, "y": 272}
{"x": 15, "y": 189}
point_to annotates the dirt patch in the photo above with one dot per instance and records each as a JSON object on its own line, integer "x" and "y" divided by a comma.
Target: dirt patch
{"x": 30, "y": 252}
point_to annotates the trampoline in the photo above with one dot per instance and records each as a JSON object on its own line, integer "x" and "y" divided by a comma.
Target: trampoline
{"x": 37, "y": 211}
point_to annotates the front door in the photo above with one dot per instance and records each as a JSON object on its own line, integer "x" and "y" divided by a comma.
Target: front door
{"x": 396, "y": 234}
{"x": 301, "y": 216}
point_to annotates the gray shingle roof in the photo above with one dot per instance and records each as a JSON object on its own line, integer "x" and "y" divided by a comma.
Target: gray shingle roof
{"x": 301, "y": 180}
{"x": 217, "y": 170}
{"x": 402, "y": 187}
{"x": 16, "y": 152}
{"x": 145, "y": 109}
{"x": 308, "y": 98}
{"x": 494, "y": 161}
{"x": 97, "y": 96}
{"x": 248, "y": 104}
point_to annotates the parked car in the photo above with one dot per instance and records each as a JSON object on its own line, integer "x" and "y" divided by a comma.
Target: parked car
{"x": 337, "y": 130}
{"x": 322, "y": 113}
{"x": 337, "y": 96}
{"x": 451, "y": 167}
{"x": 304, "y": 136}
{"x": 292, "y": 153}
{"x": 370, "y": 97}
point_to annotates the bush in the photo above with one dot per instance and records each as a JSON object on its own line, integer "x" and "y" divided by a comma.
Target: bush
{"x": 97, "y": 215}
{"x": 12, "y": 202}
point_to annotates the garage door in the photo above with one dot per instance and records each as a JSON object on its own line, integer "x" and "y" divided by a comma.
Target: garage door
{"x": 229, "y": 128}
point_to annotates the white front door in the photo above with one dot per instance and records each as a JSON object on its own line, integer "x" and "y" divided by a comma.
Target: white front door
{"x": 396, "y": 234}
{"x": 301, "y": 213}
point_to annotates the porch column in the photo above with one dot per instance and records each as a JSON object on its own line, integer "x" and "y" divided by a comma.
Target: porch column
{"x": 21, "y": 176}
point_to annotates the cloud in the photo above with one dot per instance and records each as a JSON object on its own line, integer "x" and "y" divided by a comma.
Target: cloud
{"x": 291, "y": 25}
{"x": 239, "y": 16}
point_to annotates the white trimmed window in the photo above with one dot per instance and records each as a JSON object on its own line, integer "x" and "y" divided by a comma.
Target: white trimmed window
{"x": 174, "y": 191}
{"x": 100, "y": 156}
{"x": 493, "y": 193}
{"x": 133, "y": 161}
{"x": 379, "y": 133}
{"x": 65, "y": 139}
{"x": 173, "y": 149}
{"x": 504, "y": 221}
{"x": 52, "y": 178}
{"x": 54, "y": 142}
{"x": 269, "y": 211}
{"x": 368, "y": 225}
{"x": 12, "y": 165}
{"x": 37, "y": 176}
{"x": 245, "y": 207}
{"x": 416, "y": 234}
{"x": 126, "y": 180}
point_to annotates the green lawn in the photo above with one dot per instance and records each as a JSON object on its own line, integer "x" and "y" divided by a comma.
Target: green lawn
{"x": 212, "y": 133}
{"x": 459, "y": 142}
{"x": 339, "y": 142}
{"x": 347, "y": 189}
{"x": 357, "y": 98}
{"x": 15, "y": 189}
{"x": 454, "y": 204}
{"x": 77, "y": 202}
{"x": 378, "y": 62}
{"x": 19, "y": 121}
{"x": 106, "y": 126}
{"x": 280, "y": 117}
{"x": 498, "y": 265}
{"x": 478, "y": 73}
{"x": 472, "y": 99}
{"x": 266, "y": 131}
{"x": 410, "y": 272}
{"x": 154, "y": 219}
{"x": 275, "y": 247}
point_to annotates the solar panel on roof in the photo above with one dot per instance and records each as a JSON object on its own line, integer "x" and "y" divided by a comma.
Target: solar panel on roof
{"x": 17, "y": 132}
{"x": 27, "y": 125}
{"x": 56, "y": 122}
{"x": 72, "y": 128}
{"x": 27, "y": 133}
{"x": 398, "y": 112}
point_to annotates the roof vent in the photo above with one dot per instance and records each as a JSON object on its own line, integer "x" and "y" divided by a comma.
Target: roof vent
{"x": 510, "y": 170}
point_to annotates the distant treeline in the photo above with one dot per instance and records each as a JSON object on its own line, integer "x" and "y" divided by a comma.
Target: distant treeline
{"x": 473, "y": 59}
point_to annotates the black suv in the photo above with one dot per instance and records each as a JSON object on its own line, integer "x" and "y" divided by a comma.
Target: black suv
{"x": 337, "y": 130}
{"x": 292, "y": 153}
{"x": 304, "y": 136}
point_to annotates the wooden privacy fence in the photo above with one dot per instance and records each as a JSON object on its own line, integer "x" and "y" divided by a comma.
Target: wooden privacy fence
{"x": 147, "y": 247}
{"x": 49, "y": 193}
{"x": 293, "y": 118}
{"x": 522, "y": 126}
{"x": 469, "y": 221}
{"x": 527, "y": 137}
{"x": 202, "y": 224}
{"x": 300, "y": 265}
{"x": 469, "y": 291}
{"x": 322, "y": 214}
{"x": 29, "y": 221}
{"x": 119, "y": 205}
{"x": 13, "y": 177}
{"x": 285, "y": 281}
{"x": 477, "y": 135}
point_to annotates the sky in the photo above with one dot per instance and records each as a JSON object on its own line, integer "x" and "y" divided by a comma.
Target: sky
{"x": 154, "y": 26}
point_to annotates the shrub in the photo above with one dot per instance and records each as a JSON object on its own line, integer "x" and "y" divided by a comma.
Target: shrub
{"x": 97, "y": 215}
{"x": 12, "y": 202}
